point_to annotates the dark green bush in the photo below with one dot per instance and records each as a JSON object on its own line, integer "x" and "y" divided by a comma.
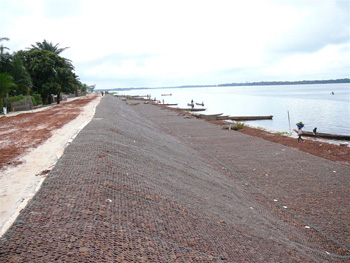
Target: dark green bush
{"x": 37, "y": 100}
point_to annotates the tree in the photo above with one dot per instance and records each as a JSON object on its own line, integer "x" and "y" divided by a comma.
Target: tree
{"x": 2, "y": 48}
{"x": 48, "y": 46}
{"x": 5, "y": 57}
{"x": 50, "y": 73}
{"x": 13, "y": 65}
{"x": 6, "y": 83}
{"x": 20, "y": 75}
{"x": 91, "y": 88}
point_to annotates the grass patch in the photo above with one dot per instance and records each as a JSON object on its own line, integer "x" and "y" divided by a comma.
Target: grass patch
{"x": 282, "y": 133}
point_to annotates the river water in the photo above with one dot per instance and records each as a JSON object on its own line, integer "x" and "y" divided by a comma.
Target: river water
{"x": 314, "y": 105}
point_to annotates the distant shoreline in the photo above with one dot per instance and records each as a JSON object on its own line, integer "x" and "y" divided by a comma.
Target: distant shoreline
{"x": 260, "y": 83}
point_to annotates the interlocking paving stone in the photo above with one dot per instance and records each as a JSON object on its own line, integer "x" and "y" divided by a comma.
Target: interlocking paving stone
{"x": 143, "y": 184}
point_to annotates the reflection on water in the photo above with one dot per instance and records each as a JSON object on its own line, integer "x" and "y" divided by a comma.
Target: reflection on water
{"x": 312, "y": 104}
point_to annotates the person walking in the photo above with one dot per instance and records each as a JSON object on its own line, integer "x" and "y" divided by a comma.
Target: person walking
{"x": 300, "y": 132}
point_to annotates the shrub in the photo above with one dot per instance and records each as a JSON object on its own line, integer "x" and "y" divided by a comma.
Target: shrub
{"x": 14, "y": 98}
{"x": 37, "y": 100}
{"x": 238, "y": 126}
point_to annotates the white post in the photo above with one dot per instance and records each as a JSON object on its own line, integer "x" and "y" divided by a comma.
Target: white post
{"x": 289, "y": 123}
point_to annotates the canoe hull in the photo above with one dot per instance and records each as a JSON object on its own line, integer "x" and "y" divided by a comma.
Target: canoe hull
{"x": 327, "y": 136}
{"x": 250, "y": 118}
{"x": 190, "y": 109}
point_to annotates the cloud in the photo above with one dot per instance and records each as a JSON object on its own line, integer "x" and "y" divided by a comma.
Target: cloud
{"x": 160, "y": 42}
{"x": 58, "y": 9}
{"x": 327, "y": 63}
{"x": 312, "y": 25}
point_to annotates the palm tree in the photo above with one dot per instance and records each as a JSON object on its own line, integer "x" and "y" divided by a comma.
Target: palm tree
{"x": 48, "y": 46}
{"x": 4, "y": 57}
{"x": 2, "y": 48}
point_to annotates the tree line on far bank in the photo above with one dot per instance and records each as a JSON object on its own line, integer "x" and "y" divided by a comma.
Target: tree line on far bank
{"x": 38, "y": 71}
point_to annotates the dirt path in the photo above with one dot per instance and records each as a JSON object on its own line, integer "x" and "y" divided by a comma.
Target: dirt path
{"x": 23, "y": 132}
{"x": 30, "y": 145}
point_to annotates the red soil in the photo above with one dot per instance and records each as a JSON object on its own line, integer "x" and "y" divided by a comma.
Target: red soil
{"x": 20, "y": 133}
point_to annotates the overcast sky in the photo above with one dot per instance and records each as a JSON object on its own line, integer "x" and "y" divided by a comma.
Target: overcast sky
{"x": 153, "y": 43}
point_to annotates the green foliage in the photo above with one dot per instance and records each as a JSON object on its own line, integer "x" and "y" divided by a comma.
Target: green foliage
{"x": 15, "y": 98}
{"x": 48, "y": 46}
{"x": 282, "y": 133}
{"x": 5, "y": 57}
{"x": 13, "y": 65}
{"x": 300, "y": 124}
{"x": 39, "y": 70}
{"x": 6, "y": 83}
{"x": 37, "y": 100}
{"x": 50, "y": 73}
{"x": 20, "y": 75}
{"x": 238, "y": 126}
{"x": 8, "y": 101}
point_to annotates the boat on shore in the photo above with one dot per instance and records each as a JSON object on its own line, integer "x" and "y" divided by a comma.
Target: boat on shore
{"x": 250, "y": 118}
{"x": 210, "y": 117}
{"x": 190, "y": 109}
{"x": 327, "y": 136}
{"x": 222, "y": 117}
{"x": 170, "y": 104}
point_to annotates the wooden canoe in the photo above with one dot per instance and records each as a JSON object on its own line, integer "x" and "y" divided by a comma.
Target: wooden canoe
{"x": 222, "y": 117}
{"x": 250, "y": 118}
{"x": 210, "y": 117}
{"x": 190, "y": 109}
{"x": 327, "y": 136}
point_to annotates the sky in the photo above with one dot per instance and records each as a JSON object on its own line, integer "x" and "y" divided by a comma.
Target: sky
{"x": 163, "y": 43}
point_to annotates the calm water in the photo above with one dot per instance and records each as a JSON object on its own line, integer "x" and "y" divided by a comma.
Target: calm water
{"x": 312, "y": 104}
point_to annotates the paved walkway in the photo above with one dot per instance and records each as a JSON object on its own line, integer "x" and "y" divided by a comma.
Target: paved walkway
{"x": 141, "y": 184}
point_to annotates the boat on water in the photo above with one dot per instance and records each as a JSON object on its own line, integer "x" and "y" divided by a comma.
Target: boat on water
{"x": 200, "y": 104}
{"x": 327, "y": 136}
{"x": 190, "y": 104}
{"x": 250, "y": 118}
{"x": 167, "y": 94}
{"x": 170, "y": 104}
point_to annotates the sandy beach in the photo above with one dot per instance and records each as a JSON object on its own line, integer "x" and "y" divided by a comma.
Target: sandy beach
{"x": 31, "y": 149}
{"x": 143, "y": 183}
